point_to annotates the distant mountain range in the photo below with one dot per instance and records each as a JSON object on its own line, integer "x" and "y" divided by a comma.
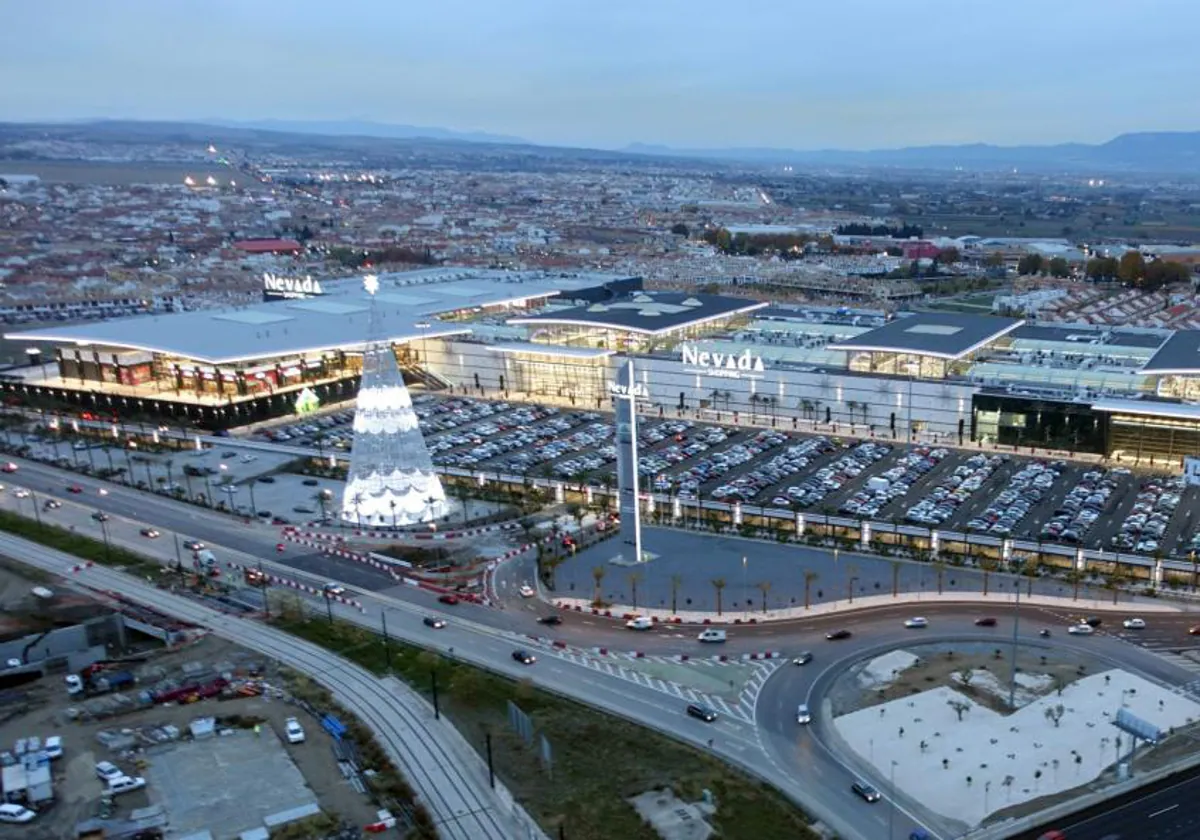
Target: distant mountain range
{"x": 367, "y": 128}
{"x": 1164, "y": 151}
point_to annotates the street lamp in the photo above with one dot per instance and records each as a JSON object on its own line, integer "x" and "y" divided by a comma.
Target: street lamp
{"x": 102, "y": 518}
{"x": 1012, "y": 683}
{"x": 745, "y": 591}
{"x": 892, "y": 812}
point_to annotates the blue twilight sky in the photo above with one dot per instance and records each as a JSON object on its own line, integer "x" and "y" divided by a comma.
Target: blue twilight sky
{"x": 688, "y": 73}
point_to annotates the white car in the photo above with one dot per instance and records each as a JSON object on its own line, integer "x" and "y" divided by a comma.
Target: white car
{"x": 107, "y": 771}
{"x": 53, "y": 747}
{"x": 1081, "y": 630}
{"x": 125, "y": 784}
{"x": 10, "y": 813}
{"x": 803, "y": 715}
{"x": 334, "y": 589}
{"x": 642, "y": 622}
{"x": 295, "y": 732}
{"x": 526, "y": 591}
{"x": 21, "y": 493}
{"x": 916, "y": 623}
{"x": 1134, "y": 624}
{"x": 246, "y": 459}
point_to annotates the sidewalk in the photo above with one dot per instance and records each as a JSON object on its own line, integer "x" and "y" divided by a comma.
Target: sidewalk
{"x": 1005, "y": 600}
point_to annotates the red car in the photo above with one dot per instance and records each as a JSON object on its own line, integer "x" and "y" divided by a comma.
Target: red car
{"x": 10, "y": 467}
{"x": 449, "y": 598}
{"x": 74, "y": 488}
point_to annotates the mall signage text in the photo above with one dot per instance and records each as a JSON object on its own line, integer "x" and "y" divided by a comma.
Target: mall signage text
{"x": 291, "y": 287}
{"x": 638, "y": 391}
{"x": 728, "y": 365}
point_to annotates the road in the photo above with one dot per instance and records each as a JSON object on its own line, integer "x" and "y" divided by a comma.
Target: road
{"x": 1172, "y": 813}
{"x": 448, "y": 777}
{"x": 798, "y": 763}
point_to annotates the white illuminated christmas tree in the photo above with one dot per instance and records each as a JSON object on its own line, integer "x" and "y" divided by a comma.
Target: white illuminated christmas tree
{"x": 391, "y": 481}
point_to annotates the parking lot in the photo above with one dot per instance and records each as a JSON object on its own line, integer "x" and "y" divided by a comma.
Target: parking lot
{"x": 982, "y": 492}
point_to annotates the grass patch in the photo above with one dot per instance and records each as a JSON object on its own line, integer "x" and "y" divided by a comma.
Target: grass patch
{"x": 72, "y": 542}
{"x": 599, "y": 760}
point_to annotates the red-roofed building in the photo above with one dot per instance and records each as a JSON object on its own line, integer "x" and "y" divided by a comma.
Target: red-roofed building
{"x": 269, "y": 246}
{"x": 920, "y": 250}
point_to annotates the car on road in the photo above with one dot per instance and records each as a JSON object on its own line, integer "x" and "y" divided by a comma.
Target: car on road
{"x": 711, "y": 635}
{"x": 10, "y": 467}
{"x": 107, "y": 771}
{"x": 1134, "y": 624}
{"x": 866, "y": 791}
{"x": 985, "y": 622}
{"x": 524, "y": 657}
{"x": 150, "y": 533}
{"x": 21, "y": 493}
{"x": 699, "y": 710}
{"x": 74, "y": 488}
{"x": 803, "y": 715}
{"x": 101, "y": 516}
{"x": 803, "y": 658}
{"x": 434, "y": 622}
{"x": 917, "y": 623}
{"x": 295, "y": 732}
{"x": 838, "y": 635}
{"x": 448, "y": 598}
{"x": 334, "y": 589}
{"x": 1194, "y": 630}
{"x": 13, "y": 813}
{"x": 52, "y": 504}
{"x": 550, "y": 620}
{"x": 1081, "y": 629}
{"x": 526, "y": 591}
{"x": 641, "y": 622}
{"x": 193, "y": 545}
{"x": 1091, "y": 621}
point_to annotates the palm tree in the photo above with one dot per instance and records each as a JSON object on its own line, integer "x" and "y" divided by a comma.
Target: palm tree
{"x": 939, "y": 566}
{"x": 809, "y": 577}
{"x": 598, "y": 573}
{"x": 718, "y": 584}
{"x": 895, "y": 578}
{"x": 392, "y": 505}
{"x": 319, "y": 498}
{"x": 764, "y": 586}
{"x": 634, "y": 579}
{"x": 1114, "y": 580}
{"x": 168, "y": 463}
{"x": 988, "y": 565}
{"x": 676, "y": 583}
{"x": 1030, "y": 569}
{"x": 1075, "y": 577}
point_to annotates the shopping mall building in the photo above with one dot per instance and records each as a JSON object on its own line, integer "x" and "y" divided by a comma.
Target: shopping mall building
{"x": 557, "y": 336}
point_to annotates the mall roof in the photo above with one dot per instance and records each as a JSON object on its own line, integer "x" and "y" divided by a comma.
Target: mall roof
{"x": 406, "y": 306}
{"x": 1180, "y": 354}
{"x": 945, "y": 335}
{"x": 650, "y": 313}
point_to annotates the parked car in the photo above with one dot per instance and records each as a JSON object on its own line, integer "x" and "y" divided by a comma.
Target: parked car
{"x": 53, "y": 747}
{"x": 295, "y": 732}
{"x": 125, "y": 784}
{"x": 107, "y": 771}
{"x": 13, "y": 813}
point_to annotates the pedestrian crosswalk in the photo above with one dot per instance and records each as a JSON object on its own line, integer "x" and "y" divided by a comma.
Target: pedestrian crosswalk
{"x": 621, "y": 666}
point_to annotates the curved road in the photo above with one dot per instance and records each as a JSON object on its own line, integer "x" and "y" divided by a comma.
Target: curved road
{"x": 798, "y": 762}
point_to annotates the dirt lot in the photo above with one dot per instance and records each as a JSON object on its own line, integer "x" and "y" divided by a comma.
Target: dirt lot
{"x": 42, "y": 709}
{"x": 946, "y": 664}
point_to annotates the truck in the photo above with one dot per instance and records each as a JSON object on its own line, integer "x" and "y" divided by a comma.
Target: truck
{"x": 111, "y": 681}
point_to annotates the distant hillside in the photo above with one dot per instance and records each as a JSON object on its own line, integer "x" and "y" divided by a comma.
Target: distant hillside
{"x": 366, "y": 128}
{"x": 1163, "y": 152}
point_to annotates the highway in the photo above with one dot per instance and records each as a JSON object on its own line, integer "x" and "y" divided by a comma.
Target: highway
{"x": 803, "y": 762}
{"x": 1170, "y": 813}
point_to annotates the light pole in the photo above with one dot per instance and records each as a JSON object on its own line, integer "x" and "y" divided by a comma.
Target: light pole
{"x": 745, "y": 592}
{"x": 37, "y": 513}
{"x": 103, "y": 520}
{"x": 1012, "y": 682}
{"x": 892, "y": 812}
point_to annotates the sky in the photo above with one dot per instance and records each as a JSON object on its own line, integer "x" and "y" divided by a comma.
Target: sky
{"x": 799, "y": 74}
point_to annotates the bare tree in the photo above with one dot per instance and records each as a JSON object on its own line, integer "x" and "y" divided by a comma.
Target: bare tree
{"x": 1055, "y": 714}
{"x": 960, "y": 707}
{"x": 718, "y": 584}
{"x": 764, "y": 587}
{"x": 965, "y": 675}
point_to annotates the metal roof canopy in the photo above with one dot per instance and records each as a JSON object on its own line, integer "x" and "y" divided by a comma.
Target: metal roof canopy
{"x": 335, "y": 321}
{"x": 1148, "y": 408}
{"x": 943, "y": 335}
{"x": 1180, "y": 354}
{"x": 648, "y": 312}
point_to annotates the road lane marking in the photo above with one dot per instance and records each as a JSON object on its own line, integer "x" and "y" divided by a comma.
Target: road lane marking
{"x": 1162, "y": 811}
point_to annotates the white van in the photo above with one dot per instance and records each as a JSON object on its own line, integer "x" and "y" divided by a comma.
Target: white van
{"x": 803, "y": 715}
{"x": 711, "y": 635}
{"x": 53, "y": 748}
{"x": 124, "y": 784}
{"x": 641, "y": 622}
